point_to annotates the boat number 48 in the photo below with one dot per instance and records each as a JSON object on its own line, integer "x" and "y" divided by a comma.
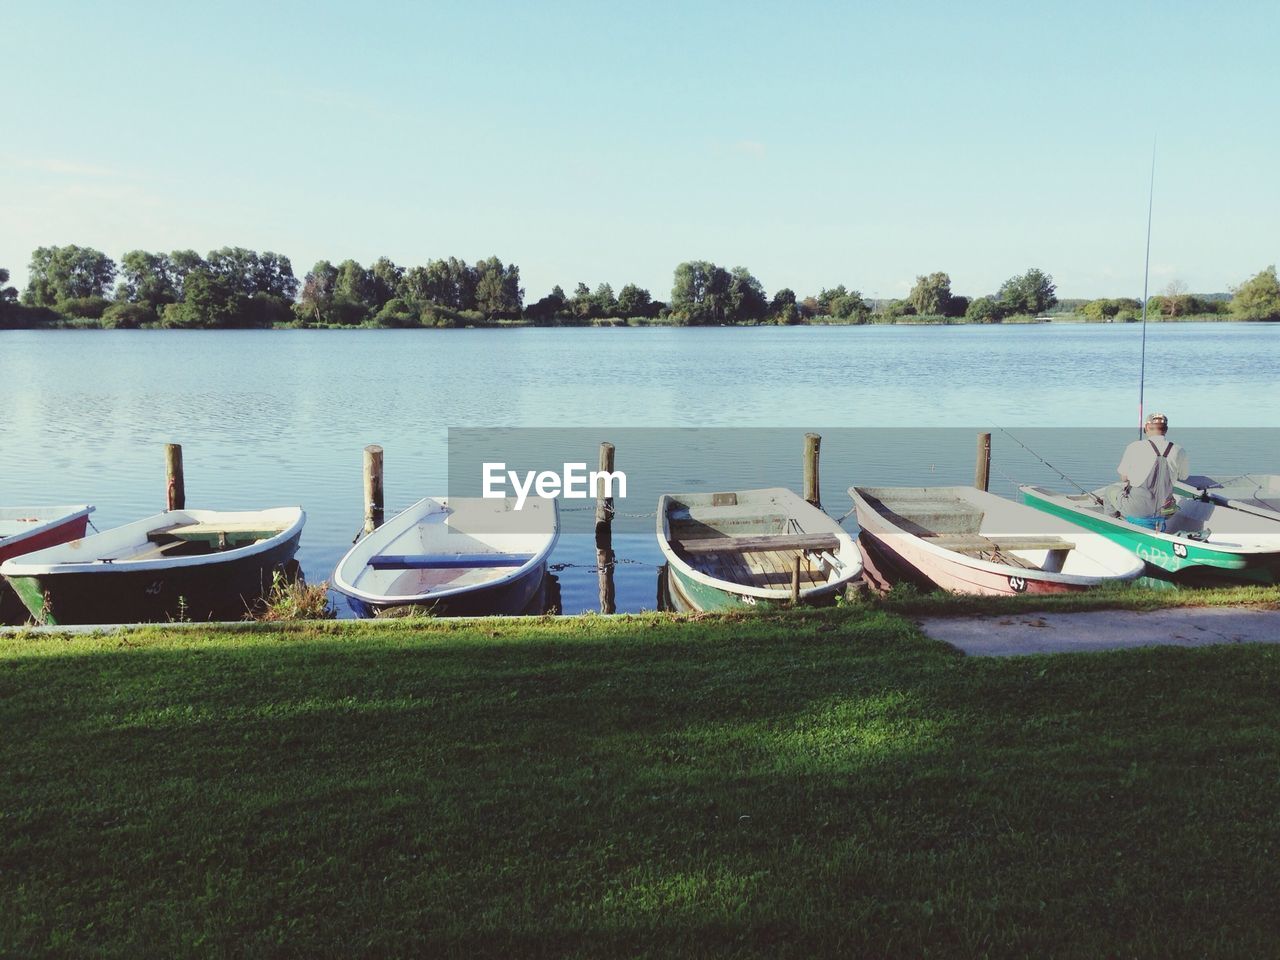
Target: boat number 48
{"x": 1019, "y": 584}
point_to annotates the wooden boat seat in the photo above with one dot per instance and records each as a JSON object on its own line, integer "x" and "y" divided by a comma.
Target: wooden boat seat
{"x": 449, "y": 561}
{"x": 978, "y": 541}
{"x": 215, "y": 534}
{"x": 761, "y": 543}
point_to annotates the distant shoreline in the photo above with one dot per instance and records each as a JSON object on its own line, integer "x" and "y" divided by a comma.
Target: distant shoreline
{"x": 636, "y": 322}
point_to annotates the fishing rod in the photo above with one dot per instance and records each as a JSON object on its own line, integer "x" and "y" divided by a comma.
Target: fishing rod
{"x": 1146, "y": 273}
{"x": 1090, "y": 493}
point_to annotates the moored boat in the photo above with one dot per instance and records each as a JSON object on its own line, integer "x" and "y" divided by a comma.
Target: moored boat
{"x": 1202, "y": 541}
{"x": 459, "y": 556}
{"x": 26, "y": 529}
{"x": 1256, "y": 493}
{"x": 738, "y": 550}
{"x": 966, "y": 540}
{"x": 178, "y": 565}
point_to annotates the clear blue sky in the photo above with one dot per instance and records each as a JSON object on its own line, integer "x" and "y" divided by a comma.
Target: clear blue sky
{"x": 814, "y": 143}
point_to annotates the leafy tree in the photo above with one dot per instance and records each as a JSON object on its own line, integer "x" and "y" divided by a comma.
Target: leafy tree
{"x": 1030, "y": 293}
{"x": 67, "y": 273}
{"x": 582, "y": 304}
{"x": 497, "y": 289}
{"x": 84, "y": 308}
{"x": 354, "y": 285}
{"x": 700, "y": 292}
{"x": 147, "y": 278}
{"x": 209, "y": 300}
{"x": 7, "y": 294}
{"x": 985, "y": 310}
{"x": 385, "y": 279}
{"x": 1258, "y": 298}
{"x": 122, "y": 315}
{"x": 546, "y": 309}
{"x": 398, "y": 312}
{"x": 781, "y": 299}
{"x": 634, "y": 301}
{"x": 896, "y": 309}
{"x": 606, "y": 302}
{"x": 1108, "y": 308}
{"x": 1175, "y": 302}
{"x": 181, "y": 263}
{"x": 746, "y": 298}
{"x": 318, "y": 289}
{"x": 786, "y": 314}
{"x": 931, "y": 295}
{"x": 842, "y": 304}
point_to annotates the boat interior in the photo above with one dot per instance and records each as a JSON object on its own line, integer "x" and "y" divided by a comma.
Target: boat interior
{"x": 192, "y": 540}
{"x": 753, "y": 542}
{"x": 467, "y": 543}
{"x": 961, "y": 526}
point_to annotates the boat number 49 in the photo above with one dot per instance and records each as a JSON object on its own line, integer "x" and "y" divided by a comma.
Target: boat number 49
{"x": 1019, "y": 584}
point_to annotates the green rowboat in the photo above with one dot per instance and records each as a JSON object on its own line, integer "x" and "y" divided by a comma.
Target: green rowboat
{"x": 738, "y": 551}
{"x": 1202, "y": 541}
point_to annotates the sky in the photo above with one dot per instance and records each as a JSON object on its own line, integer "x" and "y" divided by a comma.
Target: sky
{"x": 814, "y": 143}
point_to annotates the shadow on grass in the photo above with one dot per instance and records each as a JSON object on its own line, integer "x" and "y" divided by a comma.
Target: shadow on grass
{"x": 805, "y": 784}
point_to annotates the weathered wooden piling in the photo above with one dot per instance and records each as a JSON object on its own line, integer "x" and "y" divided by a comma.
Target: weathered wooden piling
{"x": 373, "y": 499}
{"x": 795, "y": 580}
{"x": 604, "y": 505}
{"x": 605, "y": 559}
{"x": 812, "y": 486}
{"x": 175, "y": 483}
{"x": 982, "y": 468}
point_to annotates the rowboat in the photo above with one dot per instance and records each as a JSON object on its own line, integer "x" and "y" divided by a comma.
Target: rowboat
{"x": 1203, "y": 540}
{"x": 738, "y": 551}
{"x": 24, "y": 529}
{"x": 178, "y": 565}
{"x": 1256, "y": 493}
{"x": 966, "y": 540}
{"x": 459, "y": 556}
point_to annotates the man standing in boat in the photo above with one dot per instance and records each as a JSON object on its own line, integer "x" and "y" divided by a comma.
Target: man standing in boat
{"x": 1147, "y": 470}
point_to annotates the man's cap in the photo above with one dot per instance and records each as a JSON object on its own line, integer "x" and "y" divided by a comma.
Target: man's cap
{"x": 1157, "y": 418}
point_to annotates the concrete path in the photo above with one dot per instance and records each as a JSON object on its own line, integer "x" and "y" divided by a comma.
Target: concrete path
{"x": 1003, "y": 636}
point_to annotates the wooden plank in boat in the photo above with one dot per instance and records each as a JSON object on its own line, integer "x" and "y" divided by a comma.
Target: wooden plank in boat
{"x": 451, "y": 561}
{"x": 962, "y": 543}
{"x": 214, "y": 532}
{"x": 760, "y": 543}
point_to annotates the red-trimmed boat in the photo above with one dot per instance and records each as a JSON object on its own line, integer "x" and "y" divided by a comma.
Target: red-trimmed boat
{"x": 27, "y": 529}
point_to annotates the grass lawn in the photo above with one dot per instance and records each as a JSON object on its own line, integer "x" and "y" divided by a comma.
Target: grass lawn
{"x": 794, "y": 785}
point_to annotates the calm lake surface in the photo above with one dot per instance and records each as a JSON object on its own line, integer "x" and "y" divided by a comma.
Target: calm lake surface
{"x": 270, "y": 418}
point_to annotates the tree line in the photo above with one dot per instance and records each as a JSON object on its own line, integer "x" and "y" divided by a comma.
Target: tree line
{"x": 236, "y": 287}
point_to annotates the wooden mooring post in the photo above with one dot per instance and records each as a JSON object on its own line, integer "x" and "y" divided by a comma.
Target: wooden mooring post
{"x": 795, "y": 581}
{"x": 604, "y": 504}
{"x": 982, "y": 468}
{"x": 812, "y": 486}
{"x": 175, "y": 483}
{"x": 605, "y": 558}
{"x": 373, "y": 499}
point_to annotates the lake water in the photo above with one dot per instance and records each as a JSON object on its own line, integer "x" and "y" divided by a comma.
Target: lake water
{"x": 281, "y": 417}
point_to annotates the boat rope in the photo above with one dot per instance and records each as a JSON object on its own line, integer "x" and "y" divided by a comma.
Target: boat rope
{"x": 1089, "y": 493}
{"x": 91, "y": 524}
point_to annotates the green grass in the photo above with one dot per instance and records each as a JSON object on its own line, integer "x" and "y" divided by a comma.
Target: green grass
{"x": 796, "y": 785}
